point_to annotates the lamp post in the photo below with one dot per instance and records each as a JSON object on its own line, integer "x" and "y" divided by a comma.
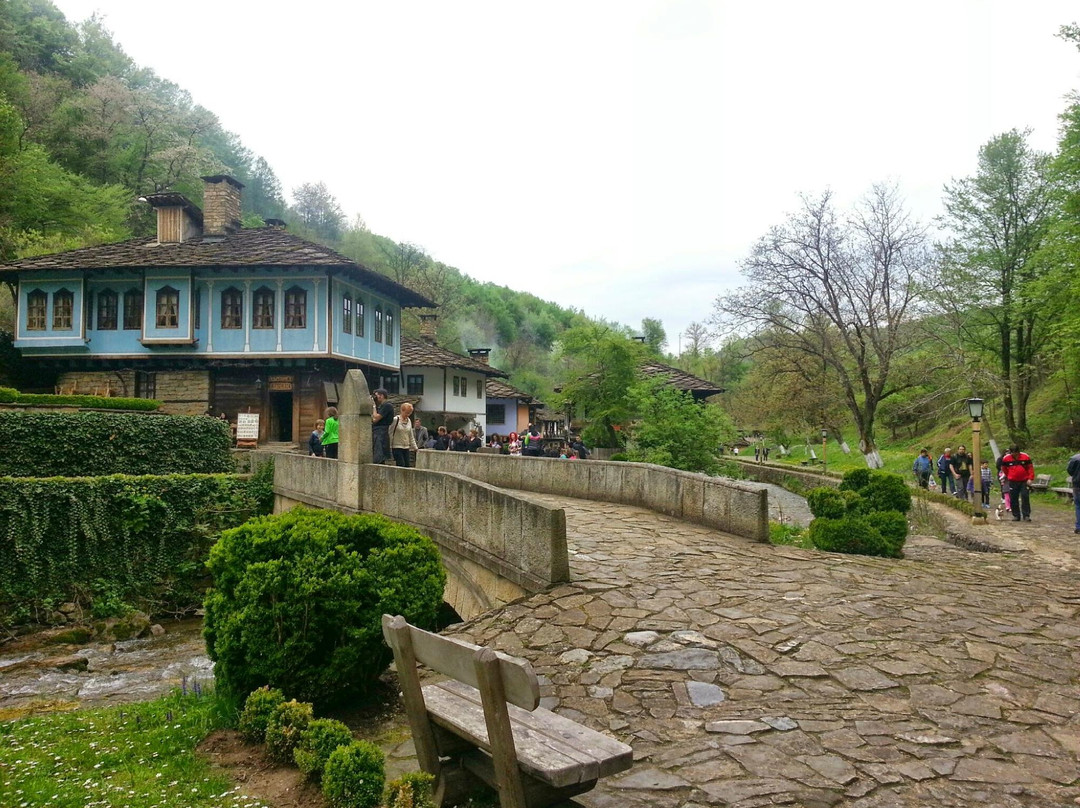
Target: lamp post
{"x": 975, "y": 410}
{"x": 824, "y": 445}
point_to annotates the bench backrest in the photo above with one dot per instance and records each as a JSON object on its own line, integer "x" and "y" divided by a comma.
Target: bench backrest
{"x": 457, "y": 659}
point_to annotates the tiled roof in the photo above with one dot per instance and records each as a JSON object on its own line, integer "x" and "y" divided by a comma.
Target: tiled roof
{"x": 500, "y": 389}
{"x": 681, "y": 379}
{"x": 249, "y": 247}
{"x": 421, "y": 353}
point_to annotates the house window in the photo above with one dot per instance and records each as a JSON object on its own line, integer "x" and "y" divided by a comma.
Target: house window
{"x": 378, "y": 323}
{"x": 232, "y": 308}
{"x": 296, "y": 308}
{"x": 346, "y": 315}
{"x": 145, "y": 384}
{"x": 168, "y": 307}
{"x": 198, "y": 309}
{"x": 359, "y": 316}
{"x": 133, "y": 306}
{"x": 457, "y": 386}
{"x": 36, "y": 304}
{"x": 496, "y": 414}
{"x": 389, "y": 328}
{"x": 392, "y": 384}
{"x": 107, "y": 305}
{"x": 63, "y": 304}
{"x": 263, "y": 308}
{"x": 88, "y": 315}
{"x": 479, "y": 388}
{"x": 414, "y": 385}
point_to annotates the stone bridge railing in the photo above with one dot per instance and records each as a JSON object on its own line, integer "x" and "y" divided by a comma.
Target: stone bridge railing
{"x": 723, "y": 504}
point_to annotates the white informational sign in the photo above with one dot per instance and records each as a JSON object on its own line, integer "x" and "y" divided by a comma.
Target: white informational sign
{"x": 247, "y": 426}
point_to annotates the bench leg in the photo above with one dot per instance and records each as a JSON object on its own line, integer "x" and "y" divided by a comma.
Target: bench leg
{"x": 536, "y": 793}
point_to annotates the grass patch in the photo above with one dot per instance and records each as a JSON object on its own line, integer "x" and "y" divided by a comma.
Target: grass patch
{"x": 789, "y": 535}
{"x": 137, "y": 755}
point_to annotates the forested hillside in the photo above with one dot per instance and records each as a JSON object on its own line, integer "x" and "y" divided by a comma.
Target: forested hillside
{"x": 84, "y": 132}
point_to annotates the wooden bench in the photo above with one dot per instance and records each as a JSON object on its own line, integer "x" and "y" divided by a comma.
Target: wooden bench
{"x": 486, "y": 722}
{"x": 1064, "y": 493}
{"x": 1040, "y": 483}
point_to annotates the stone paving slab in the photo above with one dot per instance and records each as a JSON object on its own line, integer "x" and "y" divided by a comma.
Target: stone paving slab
{"x": 749, "y": 675}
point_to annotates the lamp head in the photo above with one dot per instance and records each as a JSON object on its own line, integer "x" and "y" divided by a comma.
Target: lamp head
{"x": 975, "y": 408}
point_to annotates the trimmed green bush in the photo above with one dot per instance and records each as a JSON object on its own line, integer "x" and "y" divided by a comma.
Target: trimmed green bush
{"x": 855, "y": 480}
{"x": 865, "y": 516}
{"x": 411, "y": 790}
{"x": 893, "y": 527}
{"x": 84, "y": 444}
{"x": 89, "y": 402}
{"x": 827, "y": 503}
{"x": 852, "y": 534}
{"x": 8, "y": 395}
{"x": 354, "y": 776}
{"x": 317, "y": 743}
{"x": 258, "y": 708}
{"x": 141, "y": 541}
{"x": 287, "y": 724}
{"x": 298, "y": 601}
{"x": 886, "y": 492}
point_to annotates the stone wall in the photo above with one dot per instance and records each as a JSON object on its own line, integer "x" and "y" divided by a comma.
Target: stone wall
{"x": 496, "y": 546}
{"x": 776, "y": 474}
{"x": 181, "y": 392}
{"x": 716, "y": 502}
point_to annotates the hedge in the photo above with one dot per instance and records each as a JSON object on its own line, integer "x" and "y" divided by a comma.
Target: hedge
{"x": 117, "y": 541}
{"x": 85, "y": 444}
{"x": 9, "y": 395}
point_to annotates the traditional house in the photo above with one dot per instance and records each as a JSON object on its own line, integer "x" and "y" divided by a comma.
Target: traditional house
{"x": 449, "y": 389}
{"x": 209, "y": 316}
{"x": 509, "y": 409}
{"x": 698, "y": 387}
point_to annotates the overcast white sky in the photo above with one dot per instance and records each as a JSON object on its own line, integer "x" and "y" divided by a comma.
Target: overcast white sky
{"x": 620, "y": 157}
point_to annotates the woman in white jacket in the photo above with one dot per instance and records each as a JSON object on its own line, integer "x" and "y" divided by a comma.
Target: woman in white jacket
{"x": 402, "y": 437}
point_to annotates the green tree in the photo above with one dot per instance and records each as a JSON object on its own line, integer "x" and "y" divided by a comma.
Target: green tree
{"x": 655, "y": 336}
{"x": 318, "y": 210}
{"x": 671, "y": 429}
{"x": 991, "y": 270}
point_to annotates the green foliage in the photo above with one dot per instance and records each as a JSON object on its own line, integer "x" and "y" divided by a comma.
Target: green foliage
{"x": 893, "y": 527}
{"x": 95, "y": 402}
{"x": 113, "y": 541}
{"x": 866, "y": 515}
{"x": 852, "y": 534}
{"x": 620, "y": 457}
{"x": 788, "y": 535}
{"x": 299, "y": 598}
{"x": 827, "y": 503}
{"x": 354, "y": 776}
{"x": 96, "y": 443}
{"x": 286, "y": 725}
{"x": 855, "y": 480}
{"x": 411, "y": 790}
{"x": 674, "y": 430}
{"x": 258, "y": 708}
{"x": 317, "y": 743}
{"x": 887, "y": 492}
{"x": 84, "y": 757}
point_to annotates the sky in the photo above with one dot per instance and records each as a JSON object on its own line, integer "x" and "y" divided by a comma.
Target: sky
{"x": 618, "y": 157}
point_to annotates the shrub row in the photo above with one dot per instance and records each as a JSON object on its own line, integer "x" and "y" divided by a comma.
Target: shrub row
{"x": 113, "y": 541}
{"x": 9, "y": 395}
{"x": 865, "y": 515}
{"x": 84, "y": 444}
{"x": 298, "y": 601}
{"x": 352, "y": 772}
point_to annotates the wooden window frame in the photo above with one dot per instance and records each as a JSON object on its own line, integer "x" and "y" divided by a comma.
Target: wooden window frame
{"x": 346, "y": 314}
{"x": 167, "y": 308}
{"x": 108, "y": 310}
{"x": 232, "y": 309}
{"x": 414, "y": 384}
{"x": 37, "y": 310}
{"x": 389, "y": 327}
{"x": 496, "y": 415}
{"x": 63, "y": 310}
{"x": 378, "y": 335}
{"x": 295, "y": 307}
{"x": 262, "y": 309}
{"x": 133, "y": 310}
{"x": 360, "y": 311}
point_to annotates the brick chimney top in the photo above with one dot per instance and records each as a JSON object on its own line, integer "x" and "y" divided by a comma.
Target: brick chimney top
{"x": 221, "y": 205}
{"x": 428, "y": 326}
{"x": 481, "y": 355}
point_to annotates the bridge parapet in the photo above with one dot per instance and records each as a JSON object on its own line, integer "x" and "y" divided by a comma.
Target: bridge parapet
{"x": 716, "y": 502}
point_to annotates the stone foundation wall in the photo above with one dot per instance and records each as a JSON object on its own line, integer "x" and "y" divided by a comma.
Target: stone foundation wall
{"x": 181, "y": 392}
{"x": 712, "y": 501}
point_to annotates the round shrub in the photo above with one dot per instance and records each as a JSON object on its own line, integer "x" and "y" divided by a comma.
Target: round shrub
{"x": 411, "y": 790}
{"x": 886, "y": 492}
{"x": 8, "y": 394}
{"x": 299, "y": 597}
{"x": 354, "y": 776}
{"x": 893, "y": 527}
{"x": 256, "y": 714}
{"x": 852, "y": 534}
{"x": 287, "y": 723}
{"x": 317, "y": 743}
{"x": 827, "y": 503}
{"x": 855, "y": 480}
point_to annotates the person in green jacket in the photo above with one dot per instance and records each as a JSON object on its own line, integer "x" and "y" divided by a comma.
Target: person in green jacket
{"x": 330, "y": 433}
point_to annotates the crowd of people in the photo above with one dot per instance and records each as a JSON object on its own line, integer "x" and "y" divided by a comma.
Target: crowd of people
{"x": 956, "y": 473}
{"x": 401, "y": 436}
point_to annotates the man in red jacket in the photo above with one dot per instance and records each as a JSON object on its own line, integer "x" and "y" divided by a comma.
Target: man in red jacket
{"x": 1019, "y": 472}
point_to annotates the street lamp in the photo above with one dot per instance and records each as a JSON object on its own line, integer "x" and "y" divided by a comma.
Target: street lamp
{"x": 975, "y": 410}
{"x": 824, "y": 444}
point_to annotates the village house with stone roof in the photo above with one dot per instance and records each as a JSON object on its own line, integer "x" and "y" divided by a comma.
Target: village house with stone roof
{"x": 209, "y": 316}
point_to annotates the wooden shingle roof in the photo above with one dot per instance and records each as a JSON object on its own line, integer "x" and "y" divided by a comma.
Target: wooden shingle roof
{"x": 680, "y": 379}
{"x": 424, "y": 354}
{"x": 500, "y": 389}
{"x": 249, "y": 247}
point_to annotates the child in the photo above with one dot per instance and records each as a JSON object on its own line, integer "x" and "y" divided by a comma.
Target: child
{"x": 1005, "y": 506}
{"x": 986, "y": 479}
{"x": 315, "y": 448}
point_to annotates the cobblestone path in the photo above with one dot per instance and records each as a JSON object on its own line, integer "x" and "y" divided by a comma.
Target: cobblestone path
{"x": 744, "y": 674}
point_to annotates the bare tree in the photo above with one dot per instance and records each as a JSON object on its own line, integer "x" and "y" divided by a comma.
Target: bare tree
{"x": 697, "y": 337}
{"x": 837, "y": 295}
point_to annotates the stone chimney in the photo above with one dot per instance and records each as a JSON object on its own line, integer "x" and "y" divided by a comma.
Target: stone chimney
{"x": 177, "y": 218}
{"x": 428, "y": 325}
{"x": 481, "y": 355}
{"x": 221, "y": 205}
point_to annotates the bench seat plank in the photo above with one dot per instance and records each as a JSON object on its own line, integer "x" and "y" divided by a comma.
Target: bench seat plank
{"x": 550, "y": 748}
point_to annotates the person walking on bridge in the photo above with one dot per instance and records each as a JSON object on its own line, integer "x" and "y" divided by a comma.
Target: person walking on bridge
{"x": 1019, "y": 471}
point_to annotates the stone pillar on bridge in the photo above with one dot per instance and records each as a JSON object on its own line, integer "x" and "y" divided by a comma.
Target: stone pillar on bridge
{"x": 354, "y": 437}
